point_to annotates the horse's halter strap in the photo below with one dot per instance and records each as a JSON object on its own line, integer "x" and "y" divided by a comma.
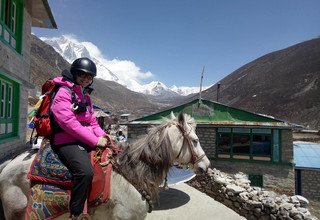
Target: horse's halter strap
{"x": 194, "y": 158}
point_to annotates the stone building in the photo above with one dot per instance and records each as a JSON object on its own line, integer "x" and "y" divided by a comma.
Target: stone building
{"x": 16, "y": 19}
{"x": 236, "y": 140}
{"x": 307, "y": 169}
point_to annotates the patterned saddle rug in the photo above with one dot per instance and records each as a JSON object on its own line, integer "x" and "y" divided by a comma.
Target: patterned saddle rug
{"x": 50, "y": 187}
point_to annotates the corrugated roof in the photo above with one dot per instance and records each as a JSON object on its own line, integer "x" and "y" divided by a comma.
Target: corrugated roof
{"x": 214, "y": 113}
{"x": 306, "y": 155}
{"x": 177, "y": 175}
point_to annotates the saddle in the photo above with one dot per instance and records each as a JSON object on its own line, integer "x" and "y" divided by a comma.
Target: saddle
{"x": 50, "y": 187}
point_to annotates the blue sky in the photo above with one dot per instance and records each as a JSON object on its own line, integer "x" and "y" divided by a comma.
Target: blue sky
{"x": 174, "y": 39}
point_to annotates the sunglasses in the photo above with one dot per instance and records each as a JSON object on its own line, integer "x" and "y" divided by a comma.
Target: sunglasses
{"x": 85, "y": 75}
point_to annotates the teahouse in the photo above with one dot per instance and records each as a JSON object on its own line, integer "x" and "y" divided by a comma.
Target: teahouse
{"x": 236, "y": 140}
{"x": 17, "y": 18}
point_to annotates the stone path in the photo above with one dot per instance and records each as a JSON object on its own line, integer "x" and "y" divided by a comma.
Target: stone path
{"x": 183, "y": 202}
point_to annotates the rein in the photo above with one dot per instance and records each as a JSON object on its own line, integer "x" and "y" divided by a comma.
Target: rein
{"x": 194, "y": 158}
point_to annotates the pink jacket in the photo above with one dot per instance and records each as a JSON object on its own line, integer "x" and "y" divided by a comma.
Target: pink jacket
{"x": 77, "y": 127}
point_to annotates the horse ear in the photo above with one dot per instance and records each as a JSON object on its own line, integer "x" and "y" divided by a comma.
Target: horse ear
{"x": 172, "y": 115}
{"x": 181, "y": 118}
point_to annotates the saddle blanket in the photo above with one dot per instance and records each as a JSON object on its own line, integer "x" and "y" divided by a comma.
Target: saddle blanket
{"x": 50, "y": 188}
{"x": 47, "y": 202}
{"x": 47, "y": 167}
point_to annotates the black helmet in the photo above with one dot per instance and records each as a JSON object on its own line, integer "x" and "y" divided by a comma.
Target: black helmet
{"x": 84, "y": 64}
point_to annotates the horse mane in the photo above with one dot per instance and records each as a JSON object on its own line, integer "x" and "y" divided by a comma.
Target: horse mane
{"x": 146, "y": 162}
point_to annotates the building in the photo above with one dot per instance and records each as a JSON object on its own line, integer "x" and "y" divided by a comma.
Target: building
{"x": 16, "y": 19}
{"x": 307, "y": 169}
{"x": 237, "y": 140}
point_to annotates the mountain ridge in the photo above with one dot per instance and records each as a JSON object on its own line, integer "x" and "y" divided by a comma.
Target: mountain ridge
{"x": 283, "y": 83}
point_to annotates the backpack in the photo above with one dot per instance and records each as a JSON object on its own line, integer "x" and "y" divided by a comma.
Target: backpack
{"x": 42, "y": 120}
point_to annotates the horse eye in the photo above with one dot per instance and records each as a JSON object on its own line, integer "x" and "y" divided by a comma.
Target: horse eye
{"x": 195, "y": 141}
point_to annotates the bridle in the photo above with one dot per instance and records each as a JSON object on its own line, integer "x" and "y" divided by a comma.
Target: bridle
{"x": 186, "y": 138}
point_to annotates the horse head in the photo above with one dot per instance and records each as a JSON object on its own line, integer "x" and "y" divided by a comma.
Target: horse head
{"x": 185, "y": 143}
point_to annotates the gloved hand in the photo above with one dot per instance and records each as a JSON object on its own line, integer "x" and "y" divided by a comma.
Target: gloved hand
{"x": 102, "y": 142}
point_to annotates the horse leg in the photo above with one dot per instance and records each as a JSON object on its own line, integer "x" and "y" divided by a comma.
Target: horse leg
{"x": 14, "y": 203}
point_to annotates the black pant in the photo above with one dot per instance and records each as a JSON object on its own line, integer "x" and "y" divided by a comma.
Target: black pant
{"x": 77, "y": 159}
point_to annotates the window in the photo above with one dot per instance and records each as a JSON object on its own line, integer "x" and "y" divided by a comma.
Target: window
{"x": 3, "y": 100}
{"x": 261, "y": 144}
{"x": 11, "y": 23}
{"x": 241, "y": 143}
{"x": 224, "y": 144}
{"x": 9, "y": 108}
{"x": 246, "y": 143}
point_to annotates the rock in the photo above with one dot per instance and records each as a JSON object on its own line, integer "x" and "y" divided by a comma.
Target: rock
{"x": 235, "y": 189}
{"x": 255, "y": 204}
{"x": 287, "y": 206}
{"x": 298, "y": 217}
{"x": 303, "y": 201}
{"x": 220, "y": 180}
{"x": 272, "y": 217}
{"x": 264, "y": 217}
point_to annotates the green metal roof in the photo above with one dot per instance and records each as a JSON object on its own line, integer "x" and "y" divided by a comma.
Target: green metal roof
{"x": 208, "y": 112}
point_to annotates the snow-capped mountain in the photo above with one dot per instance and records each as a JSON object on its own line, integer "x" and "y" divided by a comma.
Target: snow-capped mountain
{"x": 184, "y": 90}
{"x": 157, "y": 88}
{"x": 123, "y": 72}
{"x": 70, "y": 49}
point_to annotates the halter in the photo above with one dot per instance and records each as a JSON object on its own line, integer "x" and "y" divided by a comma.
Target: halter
{"x": 186, "y": 137}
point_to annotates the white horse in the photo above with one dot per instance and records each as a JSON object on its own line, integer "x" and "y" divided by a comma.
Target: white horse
{"x": 144, "y": 163}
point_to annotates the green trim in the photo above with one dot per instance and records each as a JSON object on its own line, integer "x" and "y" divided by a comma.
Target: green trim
{"x": 7, "y": 77}
{"x": 15, "y": 106}
{"x": 9, "y": 139}
{"x": 252, "y": 161}
{"x": 18, "y": 25}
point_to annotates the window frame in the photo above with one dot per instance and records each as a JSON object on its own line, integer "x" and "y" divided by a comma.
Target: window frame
{"x": 11, "y": 23}
{"x": 9, "y": 115}
{"x": 231, "y": 131}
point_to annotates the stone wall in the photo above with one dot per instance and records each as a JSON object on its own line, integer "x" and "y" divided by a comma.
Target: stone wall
{"x": 279, "y": 178}
{"x": 207, "y": 137}
{"x": 310, "y": 184}
{"x": 17, "y": 66}
{"x": 286, "y": 146}
{"x": 134, "y": 131}
{"x": 251, "y": 202}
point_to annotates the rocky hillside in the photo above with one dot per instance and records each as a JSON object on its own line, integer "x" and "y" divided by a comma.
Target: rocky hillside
{"x": 47, "y": 63}
{"x": 284, "y": 84}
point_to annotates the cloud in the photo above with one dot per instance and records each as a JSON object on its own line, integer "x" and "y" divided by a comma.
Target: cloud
{"x": 125, "y": 72}
{"x": 93, "y": 49}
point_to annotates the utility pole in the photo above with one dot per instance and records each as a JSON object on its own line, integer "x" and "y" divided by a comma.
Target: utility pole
{"x": 218, "y": 88}
{"x": 201, "y": 85}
